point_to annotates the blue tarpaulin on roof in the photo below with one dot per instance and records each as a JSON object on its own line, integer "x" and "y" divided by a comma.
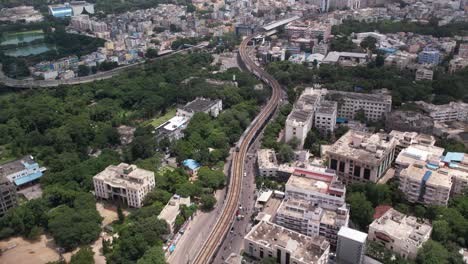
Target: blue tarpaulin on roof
{"x": 454, "y": 156}
{"x": 426, "y": 176}
{"x": 29, "y": 178}
{"x": 191, "y": 164}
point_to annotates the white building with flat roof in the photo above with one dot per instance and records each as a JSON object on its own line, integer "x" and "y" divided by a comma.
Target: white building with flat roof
{"x": 286, "y": 246}
{"x": 325, "y": 117}
{"x": 415, "y": 153}
{"x": 402, "y": 234}
{"x": 124, "y": 182}
{"x": 375, "y": 106}
{"x": 316, "y": 186}
{"x": 362, "y": 157}
{"x": 267, "y": 163}
{"x": 172, "y": 210}
{"x": 453, "y": 111}
{"x": 346, "y": 58}
{"x": 351, "y": 246}
{"x": 424, "y": 185}
{"x": 310, "y": 219}
{"x": 301, "y": 118}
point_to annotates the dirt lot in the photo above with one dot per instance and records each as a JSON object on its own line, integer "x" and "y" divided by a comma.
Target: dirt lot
{"x": 26, "y": 252}
{"x": 108, "y": 212}
{"x": 17, "y": 250}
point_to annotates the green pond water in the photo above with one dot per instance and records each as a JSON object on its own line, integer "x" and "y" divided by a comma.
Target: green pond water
{"x": 24, "y": 37}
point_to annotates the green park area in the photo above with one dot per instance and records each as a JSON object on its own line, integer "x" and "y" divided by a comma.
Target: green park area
{"x": 161, "y": 119}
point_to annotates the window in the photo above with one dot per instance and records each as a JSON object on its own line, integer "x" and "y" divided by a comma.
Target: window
{"x": 357, "y": 171}
{"x": 366, "y": 174}
{"x": 342, "y": 166}
{"x": 333, "y": 164}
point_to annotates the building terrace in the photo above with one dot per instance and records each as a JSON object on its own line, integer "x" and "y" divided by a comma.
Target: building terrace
{"x": 301, "y": 248}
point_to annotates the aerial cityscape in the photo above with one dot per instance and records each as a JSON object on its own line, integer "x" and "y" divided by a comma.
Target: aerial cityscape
{"x": 234, "y": 132}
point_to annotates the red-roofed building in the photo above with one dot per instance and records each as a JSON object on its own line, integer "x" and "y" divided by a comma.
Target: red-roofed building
{"x": 381, "y": 210}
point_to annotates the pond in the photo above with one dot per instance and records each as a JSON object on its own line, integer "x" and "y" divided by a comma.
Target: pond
{"x": 29, "y": 50}
{"x": 12, "y": 38}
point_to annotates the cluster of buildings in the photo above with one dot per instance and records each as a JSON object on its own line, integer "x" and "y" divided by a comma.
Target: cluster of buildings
{"x": 321, "y": 108}
{"x": 308, "y": 40}
{"x": 308, "y": 218}
{"x": 314, "y": 209}
{"x": 313, "y": 215}
{"x": 22, "y": 13}
{"x": 449, "y": 120}
{"x": 425, "y": 174}
{"x": 14, "y": 175}
{"x": 174, "y": 127}
{"x": 129, "y": 35}
{"x": 128, "y": 185}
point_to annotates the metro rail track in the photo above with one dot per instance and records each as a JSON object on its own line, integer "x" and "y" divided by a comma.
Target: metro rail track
{"x": 224, "y": 222}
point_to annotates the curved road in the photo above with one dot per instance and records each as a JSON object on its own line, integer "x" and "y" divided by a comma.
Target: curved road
{"x": 226, "y": 218}
{"x": 26, "y": 84}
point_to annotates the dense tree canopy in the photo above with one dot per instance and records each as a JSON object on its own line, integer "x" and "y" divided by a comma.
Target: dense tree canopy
{"x": 368, "y": 78}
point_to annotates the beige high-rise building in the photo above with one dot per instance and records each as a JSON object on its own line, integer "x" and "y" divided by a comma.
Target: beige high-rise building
{"x": 402, "y": 234}
{"x": 430, "y": 187}
{"x": 286, "y": 246}
{"x": 124, "y": 182}
{"x": 362, "y": 157}
{"x": 310, "y": 219}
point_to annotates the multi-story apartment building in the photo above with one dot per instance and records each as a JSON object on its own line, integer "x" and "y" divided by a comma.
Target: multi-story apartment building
{"x": 21, "y": 171}
{"x": 424, "y": 74}
{"x": 351, "y": 246}
{"x": 406, "y": 139}
{"x": 125, "y": 183}
{"x": 400, "y": 59}
{"x": 318, "y": 186}
{"x": 325, "y": 117}
{"x": 300, "y": 120}
{"x": 423, "y": 185}
{"x": 361, "y": 157}
{"x": 463, "y": 50}
{"x": 457, "y": 165}
{"x": 457, "y": 63}
{"x": 375, "y": 106}
{"x": 418, "y": 152}
{"x": 286, "y": 246}
{"x": 8, "y": 198}
{"x": 309, "y": 29}
{"x": 312, "y": 220}
{"x": 402, "y": 234}
{"x": 429, "y": 56}
{"x": 267, "y": 163}
{"x": 298, "y": 124}
{"x": 454, "y": 111}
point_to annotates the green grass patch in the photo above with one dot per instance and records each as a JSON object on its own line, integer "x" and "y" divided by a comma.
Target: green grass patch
{"x": 164, "y": 169}
{"x": 157, "y": 121}
{"x": 38, "y": 31}
{"x": 5, "y": 155}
